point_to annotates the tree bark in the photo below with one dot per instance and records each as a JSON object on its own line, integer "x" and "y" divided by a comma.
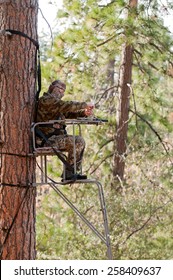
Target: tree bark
{"x": 123, "y": 108}
{"x": 17, "y": 89}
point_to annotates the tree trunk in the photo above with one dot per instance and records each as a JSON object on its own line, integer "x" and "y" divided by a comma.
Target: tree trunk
{"x": 124, "y": 101}
{"x": 17, "y": 89}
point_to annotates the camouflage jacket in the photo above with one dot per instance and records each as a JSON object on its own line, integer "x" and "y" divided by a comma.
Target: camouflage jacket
{"x": 52, "y": 108}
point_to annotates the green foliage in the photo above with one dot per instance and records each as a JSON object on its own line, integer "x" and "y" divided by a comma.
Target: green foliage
{"x": 87, "y": 54}
{"x": 59, "y": 230}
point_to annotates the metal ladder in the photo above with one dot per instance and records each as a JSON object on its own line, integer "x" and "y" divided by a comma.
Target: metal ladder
{"x": 45, "y": 180}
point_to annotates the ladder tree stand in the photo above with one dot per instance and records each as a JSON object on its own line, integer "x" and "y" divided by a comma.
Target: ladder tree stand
{"x": 43, "y": 152}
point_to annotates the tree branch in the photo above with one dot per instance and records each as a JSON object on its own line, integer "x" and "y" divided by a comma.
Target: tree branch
{"x": 104, "y": 159}
{"x": 109, "y": 39}
{"x": 147, "y": 221}
{"x": 151, "y": 127}
{"x": 104, "y": 93}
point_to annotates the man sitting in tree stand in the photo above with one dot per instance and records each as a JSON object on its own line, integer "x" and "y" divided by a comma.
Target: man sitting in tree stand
{"x": 51, "y": 107}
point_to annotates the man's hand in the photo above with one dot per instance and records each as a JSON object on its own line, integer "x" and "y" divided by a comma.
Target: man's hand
{"x": 56, "y": 125}
{"x": 89, "y": 109}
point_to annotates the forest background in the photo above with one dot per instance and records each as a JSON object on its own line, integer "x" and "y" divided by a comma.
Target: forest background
{"x": 87, "y": 49}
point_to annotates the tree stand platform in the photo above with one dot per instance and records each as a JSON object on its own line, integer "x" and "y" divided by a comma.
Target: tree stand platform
{"x": 45, "y": 180}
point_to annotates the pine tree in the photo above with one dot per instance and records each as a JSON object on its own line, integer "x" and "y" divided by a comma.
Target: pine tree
{"x": 17, "y": 87}
{"x": 125, "y": 81}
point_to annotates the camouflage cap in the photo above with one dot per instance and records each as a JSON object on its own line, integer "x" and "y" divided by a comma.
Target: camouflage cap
{"x": 58, "y": 84}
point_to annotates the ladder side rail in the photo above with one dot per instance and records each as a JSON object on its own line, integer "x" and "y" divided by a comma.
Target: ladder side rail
{"x": 105, "y": 219}
{"x": 45, "y": 168}
{"x": 74, "y": 149}
{"x": 80, "y": 133}
{"x": 41, "y": 170}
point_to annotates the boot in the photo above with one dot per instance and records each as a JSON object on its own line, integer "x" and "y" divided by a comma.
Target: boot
{"x": 70, "y": 176}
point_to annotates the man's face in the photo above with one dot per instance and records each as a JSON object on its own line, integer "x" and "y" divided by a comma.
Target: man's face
{"x": 58, "y": 89}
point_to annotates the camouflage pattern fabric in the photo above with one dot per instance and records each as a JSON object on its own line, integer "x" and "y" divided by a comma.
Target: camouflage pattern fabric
{"x": 52, "y": 108}
{"x": 66, "y": 143}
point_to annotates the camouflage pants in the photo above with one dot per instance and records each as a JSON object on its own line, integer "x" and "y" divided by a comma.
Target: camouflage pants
{"x": 65, "y": 143}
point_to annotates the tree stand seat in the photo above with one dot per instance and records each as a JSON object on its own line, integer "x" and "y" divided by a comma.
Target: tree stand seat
{"x": 45, "y": 151}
